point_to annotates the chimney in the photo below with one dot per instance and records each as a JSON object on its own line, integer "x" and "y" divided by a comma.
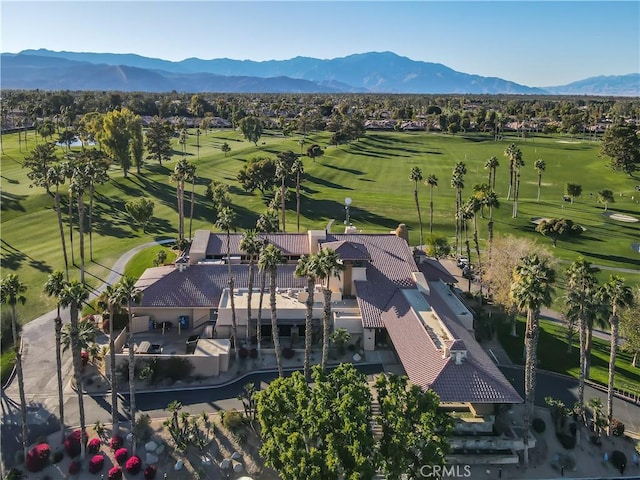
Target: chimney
{"x": 402, "y": 232}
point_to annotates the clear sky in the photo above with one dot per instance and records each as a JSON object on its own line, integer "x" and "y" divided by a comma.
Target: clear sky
{"x": 539, "y": 43}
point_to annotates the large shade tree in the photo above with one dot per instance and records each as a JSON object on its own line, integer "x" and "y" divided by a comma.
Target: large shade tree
{"x": 531, "y": 289}
{"x": 622, "y": 145}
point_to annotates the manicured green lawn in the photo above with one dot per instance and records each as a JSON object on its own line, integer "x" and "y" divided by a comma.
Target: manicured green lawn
{"x": 373, "y": 171}
{"x": 553, "y": 355}
{"x": 7, "y": 361}
{"x": 144, "y": 259}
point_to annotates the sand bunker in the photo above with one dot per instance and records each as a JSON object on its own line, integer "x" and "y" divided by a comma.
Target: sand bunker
{"x": 538, "y": 220}
{"x": 569, "y": 141}
{"x": 620, "y": 217}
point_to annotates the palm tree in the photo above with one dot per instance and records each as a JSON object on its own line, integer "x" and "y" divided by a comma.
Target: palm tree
{"x": 416, "y": 176}
{"x": 53, "y": 288}
{"x": 513, "y": 153}
{"x": 250, "y": 244}
{"x": 86, "y": 336}
{"x": 109, "y": 300}
{"x": 491, "y": 201}
{"x": 581, "y": 304}
{"x": 56, "y": 176}
{"x": 180, "y": 172}
{"x": 128, "y": 294}
{"x": 95, "y": 165}
{"x": 328, "y": 264}
{"x": 617, "y": 295}
{"x": 226, "y": 221}
{"x": 73, "y": 295}
{"x": 492, "y": 164}
{"x": 307, "y": 267}
{"x": 191, "y": 175}
{"x": 297, "y": 169}
{"x": 517, "y": 165}
{"x": 431, "y": 181}
{"x": 11, "y": 293}
{"x": 540, "y": 166}
{"x": 457, "y": 182}
{"x": 270, "y": 258}
{"x": 78, "y": 185}
{"x": 531, "y": 290}
{"x": 281, "y": 174}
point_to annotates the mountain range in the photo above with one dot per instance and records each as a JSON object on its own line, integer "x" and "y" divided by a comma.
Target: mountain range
{"x": 373, "y": 72}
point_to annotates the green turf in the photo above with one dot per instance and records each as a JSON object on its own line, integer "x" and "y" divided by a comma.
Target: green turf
{"x": 373, "y": 171}
{"x": 7, "y": 361}
{"x": 553, "y": 355}
{"x": 144, "y": 259}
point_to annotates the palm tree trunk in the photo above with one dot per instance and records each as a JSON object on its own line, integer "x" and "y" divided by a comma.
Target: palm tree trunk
{"x": 249, "y": 294}
{"x": 298, "y": 201}
{"x": 234, "y": 323}
{"x": 539, "y": 183}
{"x": 531, "y": 345}
{"x": 114, "y": 378}
{"x": 587, "y": 360}
{"x": 263, "y": 282}
{"x": 91, "y": 194}
{"x": 431, "y": 211}
{"x": 77, "y": 371}
{"x": 132, "y": 388}
{"x": 73, "y": 260}
{"x": 415, "y": 196}
{"x": 283, "y": 204}
{"x": 61, "y": 228}
{"x": 308, "y": 327}
{"x": 325, "y": 326}
{"x": 274, "y": 322}
{"x": 58, "y": 327}
{"x": 81, "y": 233}
{"x": 612, "y": 368}
{"x": 23, "y": 399}
{"x": 193, "y": 186}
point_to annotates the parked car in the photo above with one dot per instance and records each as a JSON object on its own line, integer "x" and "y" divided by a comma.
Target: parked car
{"x": 462, "y": 262}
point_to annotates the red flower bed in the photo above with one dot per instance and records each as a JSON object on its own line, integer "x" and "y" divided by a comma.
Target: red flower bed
{"x": 72, "y": 443}
{"x": 96, "y": 463}
{"x": 115, "y": 473}
{"x": 116, "y": 442}
{"x": 94, "y": 445}
{"x": 133, "y": 465}
{"x": 149, "y": 472}
{"x": 121, "y": 455}
{"x": 38, "y": 457}
{"x": 74, "y": 467}
{"x": 84, "y": 356}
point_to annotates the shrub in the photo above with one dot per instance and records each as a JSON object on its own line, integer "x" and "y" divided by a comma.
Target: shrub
{"x": 143, "y": 429}
{"x": 94, "y": 445}
{"x": 14, "y": 474}
{"x": 538, "y": 425}
{"x": 115, "y": 473}
{"x": 72, "y": 443}
{"x": 121, "y": 455}
{"x": 116, "y": 442}
{"x": 243, "y": 353}
{"x": 37, "y": 457}
{"x": 133, "y": 465}
{"x": 253, "y": 353}
{"x": 617, "y": 427}
{"x": 84, "y": 356}
{"x": 288, "y": 353}
{"x": 149, "y": 472}
{"x": 567, "y": 441}
{"x": 232, "y": 420}
{"x": 96, "y": 463}
{"x": 74, "y": 467}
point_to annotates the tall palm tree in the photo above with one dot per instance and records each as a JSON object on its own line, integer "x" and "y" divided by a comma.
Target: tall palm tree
{"x": 73, "y": 295}
{"x": 307, "y": 267}
{"x": 457, "y": 182}
{"x": 226, "y": 221}
{"x": 297, "y": 169}
{"x": 78, "y": 185}
{"x": 281, "y": 174}
{"x": 582, "y": 287}
{"x": 127, "y": 294}
{"x": 416, "y": 176}
{"x": 513, "y": 153}
{"x": 518, "y": 164}
{"x": 531, "y": 290}
{"x": 191, "y": 176}
{"x": 617, "y": 295}
{"x": 491, "y": 201}
{"x": 12, "y": 293}
{"x": 109, "y": 299}
{"x": 180, "y": 172}
{"x": 328, "y": 265}
{"x": 56, "y": 176}
{"x": 431, "y": 181}
{"x": 250, "y": 244}
{"x": 270, "y": 258}
{"x": 95, "y": 165}
{"x": 53, "y": 288}
{"x": 540, "y": 165}
{"x": 492, "y": 164}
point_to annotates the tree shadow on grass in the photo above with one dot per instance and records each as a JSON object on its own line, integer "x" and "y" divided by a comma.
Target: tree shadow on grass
{"x": 323, "y": 210}
{"x": 10, "y": 201}
{"x": 611, "y": 258}
{"x": 352, "y": 171}
{"x": 326, "y": 183}
{"x": 12, "y": 259}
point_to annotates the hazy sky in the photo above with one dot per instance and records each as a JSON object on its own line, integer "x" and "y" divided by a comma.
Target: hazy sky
{"x": 539, "y": 43}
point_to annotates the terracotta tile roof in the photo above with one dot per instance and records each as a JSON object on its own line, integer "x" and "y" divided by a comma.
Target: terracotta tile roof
{"x": 200, "y": 286}
{"x": 476, "y": 379}
{"x": 434, "y": 271}
{"x": 348, "y": 250}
